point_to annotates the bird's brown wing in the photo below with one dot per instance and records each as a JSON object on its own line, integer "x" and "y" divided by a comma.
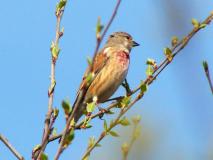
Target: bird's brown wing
{"x": 99, "y": 62}
{"x": 78, "y": 106}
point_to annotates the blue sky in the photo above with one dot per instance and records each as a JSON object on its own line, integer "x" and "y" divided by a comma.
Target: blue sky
{"x": 177, "y": 110}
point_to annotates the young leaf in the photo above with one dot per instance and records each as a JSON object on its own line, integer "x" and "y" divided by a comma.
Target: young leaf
{"x": 174, "y": 41}
{"x": 44, "y": 156}
{"x": 90, "y": 107}
{"x": 89, "y": 61}
{"x": 55, "y": 50}
{"x": 125, "y": 101}
{"x": 69, "y": 138}
{"x": 168, "y": 54}
{"x": 203, "y": 25}
{"x": 99, "y": 28}
{"x": 55, "y": 112}
{"x": 37, "y": 147}
{"x": 54, "y": 132}
{"x": 66, "y": 106}
{"x": 124, "y": 122}
{"x": 105, "y": 126}
{"x": 149, "y": 70}
{"x": 143, "y": 87}
{"x": 113, "y": 133}
{"x": 89, "y": 78}
{"x": 136, "y": 119}
{"x": 125, "y": 148}
{"x": 60, "y": 5}
{"x": 205, "y": 66}
{"x": 195, "y": 23}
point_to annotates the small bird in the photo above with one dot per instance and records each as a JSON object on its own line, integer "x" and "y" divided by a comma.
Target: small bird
{"x": 109, "y": 70}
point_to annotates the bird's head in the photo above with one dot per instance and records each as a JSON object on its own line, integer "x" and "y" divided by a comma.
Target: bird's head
{"x": 122, "y": 40}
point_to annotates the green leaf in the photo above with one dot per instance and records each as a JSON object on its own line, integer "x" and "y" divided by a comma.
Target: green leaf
{"x": 99, "y": 28}
{"x": 105, "y": 126}
{"x": 54, "y": 132}
{"x": 60, "y": 5}
{"x": 137, "y": 132}
{"x": 205, "y": 66}
{"x": 66, "y": 106}
{"x": 88, "y": 125}
{"x": 174, "y": 41}
{"x": 69, "y": 138}
{"x": 89, "y": 61}
{"x": 109, "y": 112}
{"x": 168, "y": 54}
{"x": 55, "y": 50}
{"x": 195, "y": 23}
{"x": 91, "y": 141}
{"x": 90, "y": 107}
{"x": 37, "y": 147}
{"x": 150, "y": 61}
{"x": 144, "y": 87}
{"x": 125, "y": 148}
{"x": 44, "y": 156}
{"x": 136, "y": 119}
{"x": 113, "y": 133}
{"x": 149, "y": 70}
{"x": 125, "y": 101}
{"x": 124, "y": 122}
{"x": 55, "y": 112}
{"x": 203, "y": 25}
{"x": 89, "y": 78}
{"x": 98, "y": 145}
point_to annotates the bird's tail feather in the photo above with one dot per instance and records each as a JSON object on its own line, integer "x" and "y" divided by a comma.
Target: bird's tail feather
{"x": 78, "y": 107}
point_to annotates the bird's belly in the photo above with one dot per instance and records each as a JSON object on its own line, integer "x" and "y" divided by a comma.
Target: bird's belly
{"x": 108, "y": 81}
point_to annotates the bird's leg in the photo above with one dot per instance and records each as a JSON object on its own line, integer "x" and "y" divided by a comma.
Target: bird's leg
{"x": 125, "y": 84}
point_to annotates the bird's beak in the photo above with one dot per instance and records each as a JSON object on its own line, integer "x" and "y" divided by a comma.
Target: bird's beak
{"x": 135, "y": 44}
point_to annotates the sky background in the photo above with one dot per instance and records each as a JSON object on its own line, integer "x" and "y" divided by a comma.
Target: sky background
{"x": 177, "y": 110}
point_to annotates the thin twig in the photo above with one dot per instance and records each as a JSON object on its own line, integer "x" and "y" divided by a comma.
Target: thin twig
{"x": 115, "y": 123}
{"x": 206, "y": 69}
{"x": 99, "y": 40}
{"x": 176, "y": 49}
{"x": 11, "y": 148}
{"x": 149, "y": 81}
{"x": 132, "y": 141}
{"x": 160, "y": 68}
{"x": 50, "y": 118}
{"x": 67, "y": 127}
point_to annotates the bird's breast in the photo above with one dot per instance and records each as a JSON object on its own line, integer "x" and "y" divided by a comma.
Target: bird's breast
{"x": 123, "y": 59}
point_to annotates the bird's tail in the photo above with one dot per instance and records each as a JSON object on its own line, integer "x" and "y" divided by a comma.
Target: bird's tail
{"x": 78, "y": 107}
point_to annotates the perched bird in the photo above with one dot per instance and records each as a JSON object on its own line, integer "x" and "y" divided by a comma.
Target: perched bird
{"x": 109, "y": 70}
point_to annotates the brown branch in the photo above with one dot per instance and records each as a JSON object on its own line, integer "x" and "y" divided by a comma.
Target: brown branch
{"x": 68, "y": 128}
{"x": 134, "y": 136}
{"x": 115, "y": 123}
{"x": 11, "y": 148}
{"x": 99, "y": 40}
{"x": 50, "y": 117}
{"x": 176, "y": 49}
{"x": 206, "y": 69}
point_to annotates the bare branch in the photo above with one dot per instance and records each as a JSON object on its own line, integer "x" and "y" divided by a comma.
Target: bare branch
{"x": 50, "y": 117}
{"x": 82, "y": 93}
{"x": 176, "y": 49}
{"x": 11, "y": 148}
{"x": 115, "y": 123}
{"x": 206, "y": 69}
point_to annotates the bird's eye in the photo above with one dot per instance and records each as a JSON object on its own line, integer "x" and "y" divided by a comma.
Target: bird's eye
{"x": 127, "y": 37}
{"x": 111, "y": 36}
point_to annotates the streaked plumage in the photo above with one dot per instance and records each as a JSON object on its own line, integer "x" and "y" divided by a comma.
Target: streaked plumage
{"x": 110, "y": 69}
